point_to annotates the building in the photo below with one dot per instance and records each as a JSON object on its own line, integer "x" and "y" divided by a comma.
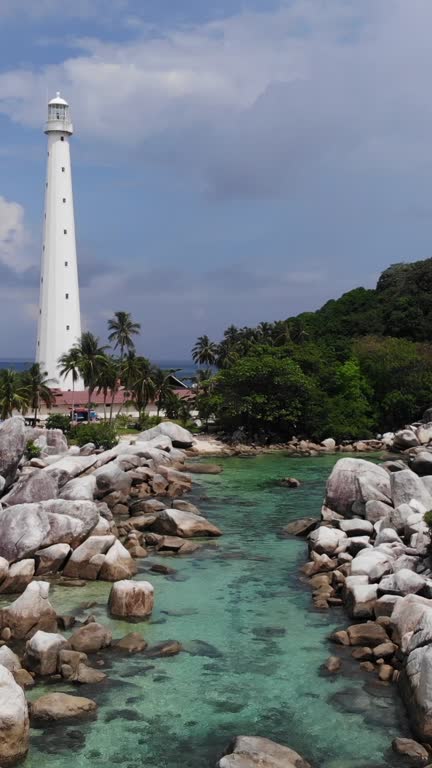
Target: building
{"x": 59, "y": 323}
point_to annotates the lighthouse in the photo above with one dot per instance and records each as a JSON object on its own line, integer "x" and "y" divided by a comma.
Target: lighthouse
{"x": 59, "y": 325}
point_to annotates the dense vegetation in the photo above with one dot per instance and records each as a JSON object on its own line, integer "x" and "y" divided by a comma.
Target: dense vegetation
{"x": 360, "y": 364}
{"x": 103, "y": 370}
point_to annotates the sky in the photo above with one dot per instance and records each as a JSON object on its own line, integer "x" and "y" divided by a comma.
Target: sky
{"x": 234, "y": 161}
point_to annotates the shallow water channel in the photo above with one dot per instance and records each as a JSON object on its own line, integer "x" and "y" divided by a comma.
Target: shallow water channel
{"x": 254, "y": 647}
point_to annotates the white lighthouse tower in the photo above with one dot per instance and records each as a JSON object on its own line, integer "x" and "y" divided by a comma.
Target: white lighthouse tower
{"x": 59, "y": 308}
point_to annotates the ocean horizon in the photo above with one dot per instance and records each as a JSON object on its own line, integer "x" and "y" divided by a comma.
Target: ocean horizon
{"x": 185, "y": 368}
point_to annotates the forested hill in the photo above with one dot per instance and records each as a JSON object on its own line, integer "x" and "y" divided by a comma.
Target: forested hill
{"x": 359, "y": 365}
{"x": 400, "y": 306}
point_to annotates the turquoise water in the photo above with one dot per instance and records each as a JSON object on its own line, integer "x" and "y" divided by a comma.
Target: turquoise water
{"x": 254, "y": 649}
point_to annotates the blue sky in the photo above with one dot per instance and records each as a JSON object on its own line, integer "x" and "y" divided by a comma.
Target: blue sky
{"x": 234, "y": 160}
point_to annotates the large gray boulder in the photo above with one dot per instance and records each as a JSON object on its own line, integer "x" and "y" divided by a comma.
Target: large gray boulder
{"x": 26, "y": 528}
{"x": 29, "y": 612}
{"x": 14, "y": 720}
{"x": 42, "y": 652}
{"x": 408, "y": 488}
{"x": 131, "y": 599}
{"x": 404, "y": 582}
{"x": 185, "y": 524}
{"x": 416, "y": 686}
{"x": 405, "y": 438}
{"x": 84, "y": 562}
{"x": 19, "y": 576}
{"x": 326, "y": 540}
{"x": 51, "y": 559}
{"x": 36, "y": 486}
{"x": 12, "y": 447}
{"x": 68, "y": 467}
{"x": 422, "y": 463}
{"x": 111, "y": 477}
{"x": 258, "y": 752}
{"x": 118, "y": 564}
{"x": 55, "y": 441}
{"x": 179, "y": 436}
{"x": 79, "y": 488}
{"x": 356, "y": 480}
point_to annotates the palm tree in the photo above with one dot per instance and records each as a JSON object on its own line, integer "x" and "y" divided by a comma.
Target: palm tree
{"x": 38, "y": 388}
{"x": 122, "y": 329}
{"x": 68, "y": 365}
{"x": 163, "y": 385}
{"x": 108, "y": 381}
{"x": 13, "y": 393}
{"x": 204, "y": 351}
{"x": 91, "y": 359}
{"x": 142, "y": 386}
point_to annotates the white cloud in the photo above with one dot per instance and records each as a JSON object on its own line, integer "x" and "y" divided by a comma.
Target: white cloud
{"x": 255, "y": 101}
{"x": 15, "y": 241}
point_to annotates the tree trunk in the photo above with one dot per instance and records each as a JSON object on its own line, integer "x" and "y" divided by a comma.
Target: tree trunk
{"x": 73, "y": 400}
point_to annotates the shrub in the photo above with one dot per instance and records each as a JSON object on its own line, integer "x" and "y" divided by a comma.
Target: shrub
{"x": 103, "y": 435}
{"x": 147, "y": 422}
{"x": 59, "y": 421}
{"x": 428, "y": 520}
{"x": 32, "y": 450}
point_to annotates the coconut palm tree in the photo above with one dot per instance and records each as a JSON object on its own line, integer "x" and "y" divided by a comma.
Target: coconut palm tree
{"x": 108, "y": 382}
{"x": 68, "y": 365}
{"x": 122, "y": 328}
{"x": 204, "y": 351}
{"x": 142, "y": 386}
{"x": 13, "y": 393}
{"x": 163, "y": 385}
{"x": 91, "y": 359}
{"x": 38, "y": 388}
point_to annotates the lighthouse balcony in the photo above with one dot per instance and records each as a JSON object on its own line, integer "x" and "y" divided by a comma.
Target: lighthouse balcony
{"x": 60, "y": 125}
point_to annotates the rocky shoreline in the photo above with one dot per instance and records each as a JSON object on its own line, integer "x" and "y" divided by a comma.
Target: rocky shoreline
{"x": 370, "y": 552}
{"x": 413, "y": 439}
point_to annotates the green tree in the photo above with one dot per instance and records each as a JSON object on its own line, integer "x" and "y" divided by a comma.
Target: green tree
{"x": 263, "y": 390}
{"x": 68, "y": 365}
{"x": 122, "y": 328}
{"x": 91, "y": 359}
{"x": 107, "y": 382}
{"x": 139, "y": 381}
{"x": 14, "y": 395}
{"x": 38, "y": 389}
{"x": 205, "y": 351}
{"x": 349, "y": 410}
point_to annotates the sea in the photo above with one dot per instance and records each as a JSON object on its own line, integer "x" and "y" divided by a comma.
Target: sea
{"x": 185, "y": 369}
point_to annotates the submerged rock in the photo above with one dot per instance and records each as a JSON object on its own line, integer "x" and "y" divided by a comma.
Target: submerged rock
{"x": 61, "y": 706}
{"x": 258, "y": 752}
{"x": 184, "y": 524}
{"x": 90, "y": 638}
{"x": 301, "y": 527}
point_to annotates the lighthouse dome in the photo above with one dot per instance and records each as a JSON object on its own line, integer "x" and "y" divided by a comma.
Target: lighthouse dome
{"x": 58, "y": 100}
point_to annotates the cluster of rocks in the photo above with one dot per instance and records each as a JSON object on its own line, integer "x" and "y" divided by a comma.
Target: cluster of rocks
{"x": 371, "y": 552}
{"x": 88, "y": 514}
{"x": 73, "y": 515}
{"x": 33, "y": 647}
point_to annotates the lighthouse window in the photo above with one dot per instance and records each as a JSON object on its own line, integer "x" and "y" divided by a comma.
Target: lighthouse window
{"x": 66, "y": 295}
{"x": 66, "y": 263}
{"x": 64, "y": 199}
{"x": 68, "y": 327}
{"x": 61, "y": 138}
{"x": 63, "y": 170}
{"x": 65, "y": 231}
